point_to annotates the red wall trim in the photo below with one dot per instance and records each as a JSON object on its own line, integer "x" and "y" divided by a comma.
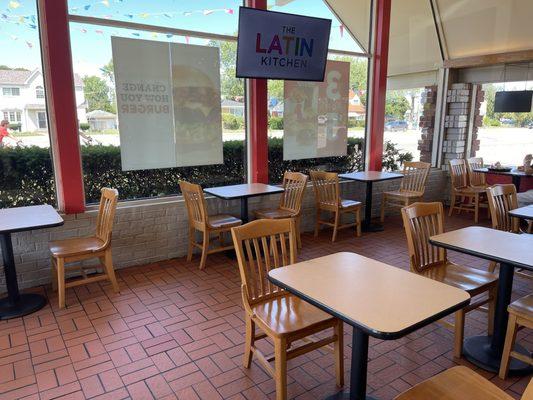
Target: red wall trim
{"x": 258, "y": 113}
{"x": 379, "y": 83}
{"x": 61, "y": 103}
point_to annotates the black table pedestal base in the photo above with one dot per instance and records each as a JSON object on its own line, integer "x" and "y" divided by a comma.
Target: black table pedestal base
{"x": 371, "y": 227}
{"x": 478, "y": 351}
{"x": 26, "y": 304}
{"x": 346, "y": 396}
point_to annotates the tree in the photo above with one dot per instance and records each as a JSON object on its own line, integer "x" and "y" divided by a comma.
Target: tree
{"x": 97, "y": 94}
{"x": 276, "y": 88}
{"x": 108, "y": 71}
{"x": 230, "y": 86}
{"x": 358, "y": 71}
{"x": 396, "y": 105}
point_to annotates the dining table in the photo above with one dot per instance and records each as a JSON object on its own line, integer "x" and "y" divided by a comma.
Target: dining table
{"x": 516, "y": 175}
{"x": 525, "y": 212}
{"x": 376, "y": 299}
{"x": 369, "y": 177}
{"x": 511, "y": 251}
{"x": 243, "y": 192}
{"x": 20, "y": 219}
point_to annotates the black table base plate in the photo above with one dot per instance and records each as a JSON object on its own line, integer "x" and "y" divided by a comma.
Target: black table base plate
{"x": 345, "y": 396}
{"x": 477, "y": 350}
{"x": 371, "y": 227}
{"x": 27, "y": 303}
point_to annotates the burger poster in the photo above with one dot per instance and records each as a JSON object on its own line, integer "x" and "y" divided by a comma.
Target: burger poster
{"x": 316, "y": 115}
{"x": 168, "y": 101}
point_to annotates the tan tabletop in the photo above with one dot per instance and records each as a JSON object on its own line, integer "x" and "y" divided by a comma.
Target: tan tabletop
{"x": 490, "y": 244}
{"x": 384, "y": 301}
{"x": 523, "y": 212}
{"x": 244, "y": 190}
{"x": 19, "y": 219}
{"x": 374, "y": 176}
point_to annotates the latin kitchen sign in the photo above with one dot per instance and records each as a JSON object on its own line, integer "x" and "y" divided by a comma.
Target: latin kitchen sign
{"x": 277, "y": 45}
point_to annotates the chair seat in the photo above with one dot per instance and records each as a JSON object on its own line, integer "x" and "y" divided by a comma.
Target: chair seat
{"x": 470, "y": 190}
{"x": 454, "y": 384}
{"x": 75, "y": 246}
{"x": 274, "y": 213}
{"x": 224, "y": 221}
{"x": 403, "y": 194}
{"x": 287, "y": 314}
{"x": 346, "y": 203}
{"x": 465, "y": 278}
{"x": 522, "y": 307}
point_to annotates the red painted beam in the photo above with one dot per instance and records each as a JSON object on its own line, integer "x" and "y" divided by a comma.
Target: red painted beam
{"x": 379, "y": 83}
{"x": 258, "y": 103}
{"x": 61, "y": 104}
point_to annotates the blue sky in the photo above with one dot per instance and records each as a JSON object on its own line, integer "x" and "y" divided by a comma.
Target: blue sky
{"x": 91, "y": 45}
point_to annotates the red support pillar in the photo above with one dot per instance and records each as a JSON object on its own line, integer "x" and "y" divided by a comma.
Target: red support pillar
{"x": 61, "y": 104}
{"x": 378, "y": 86}
{"x": 258, "y": 120}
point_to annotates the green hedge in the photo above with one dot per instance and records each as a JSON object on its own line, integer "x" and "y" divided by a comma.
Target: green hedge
{"x": 232, "y": 122}
{"x": 26, "y": 174}
{"x": 275, "y": 123}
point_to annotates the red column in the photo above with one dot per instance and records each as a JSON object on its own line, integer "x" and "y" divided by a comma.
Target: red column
{"x": 258, "y": 103}
{"x": 378, "y": 86}
{"x": 61, "y": 104}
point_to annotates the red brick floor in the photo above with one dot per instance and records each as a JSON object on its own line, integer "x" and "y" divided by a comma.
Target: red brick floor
{"x": 177, "y": 332}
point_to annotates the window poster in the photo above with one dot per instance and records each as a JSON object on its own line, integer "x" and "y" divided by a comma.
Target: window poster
{"x": 168, "y": 102}
{"x": 316, "y": 115}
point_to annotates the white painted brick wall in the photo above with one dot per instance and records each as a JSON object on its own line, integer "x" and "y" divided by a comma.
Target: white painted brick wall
{"x": 149, "y": 231}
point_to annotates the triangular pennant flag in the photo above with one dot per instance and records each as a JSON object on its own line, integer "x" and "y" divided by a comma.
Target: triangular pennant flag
{"x": 207, "y": 12}
{"x": 83, "y": 30}
{"x": 144, "y": 15}
{"x": 136, "y": 34}
{"x": 187, "y": 13}
{"x": 14, "y": 5}
{"x": 130, "y": 16}
{"x": 29, "y": 44}
{"x": 33, "y": 26}
{"x": 169, "y": 35}
{"x": 167, "y": 15}
{"x": 229, "y": 11}
{"x": 187, "y": 39}
{"x": 341, "y": 30}
{"x": 105, "y": 3}
{"x": 98, "y": 31}
{"x": 154, "y": 34}
{"x": 86, "y": 7}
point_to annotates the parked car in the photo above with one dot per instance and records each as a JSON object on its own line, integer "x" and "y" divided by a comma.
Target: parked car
{"x": 396, "y": 126}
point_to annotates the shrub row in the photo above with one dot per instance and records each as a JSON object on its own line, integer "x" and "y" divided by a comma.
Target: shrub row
{"x": 26, "y": 174}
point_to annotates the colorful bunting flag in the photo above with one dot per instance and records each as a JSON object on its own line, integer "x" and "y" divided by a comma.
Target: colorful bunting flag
{"x": 14, "y": 5}
{"x": 341, "y": 30}
{"x": 29, "y": 44}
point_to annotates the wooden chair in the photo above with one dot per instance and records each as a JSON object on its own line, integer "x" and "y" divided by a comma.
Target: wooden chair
{"x": 262, "y": 245}
{"x": 327, "y": 197}
{"x": 502, "y": 199}
{"x": 290, "y": 202}
{"x": 459, "y": 383}
{"x": 422, "y": 220}
{"x": 78, "y": 249}
{"x": 476, "y": 179}
{"x": 520, "y": 316}
{"x": 411, "y": 189}
{"x": 200, "y": 221}
{"x": 461, "y": 190}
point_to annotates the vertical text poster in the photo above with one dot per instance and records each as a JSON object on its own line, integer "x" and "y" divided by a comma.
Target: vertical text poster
{"x": 197, "y": 109}
{"x": 316, "y": 115}
{"x": 144, "y": 103}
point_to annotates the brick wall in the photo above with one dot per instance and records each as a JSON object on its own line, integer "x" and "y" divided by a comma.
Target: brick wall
{"x": 149, "y": 231}
{"x": 427, "y": 123}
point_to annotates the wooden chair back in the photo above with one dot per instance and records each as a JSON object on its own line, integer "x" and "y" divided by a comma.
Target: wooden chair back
{"x": 261, "y": 246}
{"x": 195, "y": 203}
{"x": 415, "y": 174}
{"x": 502, "y": 199}
{"x": 476, "y": 178}
{"x": 294, "y": 184}
{"x": 458, "y": 173}
{"x": 106, "y": 215}
{"x": 422, "y": 220}
{"x": 528, "y": 393}
{"x": 326, "y": 187}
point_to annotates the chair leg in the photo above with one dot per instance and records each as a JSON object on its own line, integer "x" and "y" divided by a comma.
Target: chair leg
{"x": 459, "y": 333}
{"x": 248, "y": 342}
{"x": 510, "y": 338}
{"x": 382, "y": 216}
{"x": 317, "y": 222}
{"x": 493, "y": 293}
{"x": 452, "y": 204}
{"x": 358, "y": 221}
{"x": 110, "y": 270}
{"x": 298, "y": 233}
{"x": 205, "y": 247}
{"x": 492, "y": 266}
{"x": 336, "y": 225}
{"x": 476, "y": 208}
{"x": 61, "y": 282}
{"x": 53, "y": 272}
{"x": 191, "y": 241}
{"x": 339, "y": 354}
{"x": 280, "y": 368}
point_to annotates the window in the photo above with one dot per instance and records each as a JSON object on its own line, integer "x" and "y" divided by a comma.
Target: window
{"x": 41, "y": 120}
{"x": 102, "y": 165}
{"x": 39, "y": 92}
{"x": 11, "y": 91}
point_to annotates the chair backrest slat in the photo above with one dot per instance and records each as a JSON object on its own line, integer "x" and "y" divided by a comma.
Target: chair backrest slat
{"x": 458, "y": 173}
{"x": 476, "y": 178}
{"x": 106, "y": 215}
{"x": 326, "y": 187}
{"x": 421, "y": 221}
{"x": 415, "y": 176}
{"x": 195, "y": 203}
{"x": 502, "y": 199}
{"x": 261, "y": 246}
{"x": 294, "y": 184}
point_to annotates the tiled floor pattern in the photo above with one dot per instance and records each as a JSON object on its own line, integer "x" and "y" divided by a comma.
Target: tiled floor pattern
{"x": 177, "y": 332}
